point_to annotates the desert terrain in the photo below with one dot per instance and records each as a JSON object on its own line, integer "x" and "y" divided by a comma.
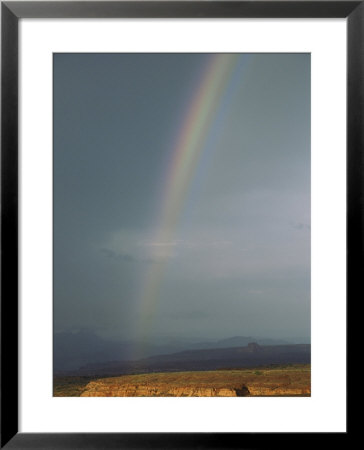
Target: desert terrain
{"x": 280, "y": 380}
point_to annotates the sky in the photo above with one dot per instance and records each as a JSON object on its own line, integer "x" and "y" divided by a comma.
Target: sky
{"x": 182, "y": 195}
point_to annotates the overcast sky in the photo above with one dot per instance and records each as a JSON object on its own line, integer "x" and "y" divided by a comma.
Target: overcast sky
{"x": 238, "y": 260}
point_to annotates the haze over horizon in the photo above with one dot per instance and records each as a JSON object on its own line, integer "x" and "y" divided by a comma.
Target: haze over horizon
{"x": 237, "y": 260}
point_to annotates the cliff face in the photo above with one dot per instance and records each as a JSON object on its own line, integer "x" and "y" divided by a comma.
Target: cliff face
{"x": 286, "y": 381}
{"x": 278, "y": 391}
{"x": 100, "y": 389}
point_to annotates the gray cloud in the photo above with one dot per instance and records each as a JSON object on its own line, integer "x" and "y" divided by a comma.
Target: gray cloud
{"x": 240, "y": 256}
{"x": 301, "y": 226}
{"x": 189, "y": 315}
{"x": 126, "y": 257}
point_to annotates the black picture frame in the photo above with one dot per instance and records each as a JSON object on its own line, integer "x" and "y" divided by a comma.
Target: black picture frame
{"x": 11, "y": 12}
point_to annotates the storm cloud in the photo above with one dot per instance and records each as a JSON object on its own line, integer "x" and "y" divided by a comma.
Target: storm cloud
{"x": 239, "y": 259}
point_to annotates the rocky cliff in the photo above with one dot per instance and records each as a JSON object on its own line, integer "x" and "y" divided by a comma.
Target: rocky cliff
{"x": 99, "y": 389}
{"x": 235, "y": 383}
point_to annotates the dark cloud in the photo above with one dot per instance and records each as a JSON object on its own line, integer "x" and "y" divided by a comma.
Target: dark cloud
{"x": 126, "y": 257}
{"x": 239, "y": 262}
{"x": 301, "y": 226}
{"x": 189, "y": 315}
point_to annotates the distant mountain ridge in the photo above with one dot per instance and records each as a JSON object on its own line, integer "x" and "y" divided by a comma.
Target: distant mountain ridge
{"x": 251, "y": 355}
{"x": 73, "y": 350}
{"x": 240, "y": 341}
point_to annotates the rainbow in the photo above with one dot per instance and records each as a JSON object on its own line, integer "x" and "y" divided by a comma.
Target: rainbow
{"x": 186, "y": 154}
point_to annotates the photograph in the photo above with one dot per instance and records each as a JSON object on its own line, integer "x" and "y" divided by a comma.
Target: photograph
{"x": 182, "y": 225}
